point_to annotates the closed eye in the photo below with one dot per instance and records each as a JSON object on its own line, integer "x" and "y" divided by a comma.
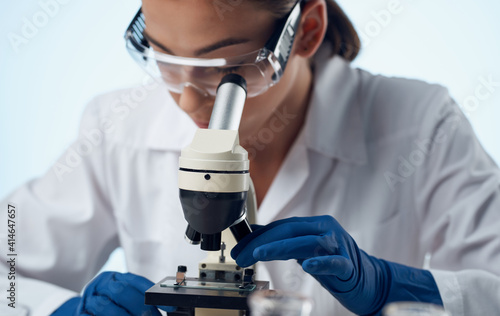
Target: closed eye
{"x": 228, "y": 70}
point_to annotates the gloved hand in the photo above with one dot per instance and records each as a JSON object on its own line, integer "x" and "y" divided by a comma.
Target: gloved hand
{"x": 362, "y": 283}
{"x": 112, "y": 294}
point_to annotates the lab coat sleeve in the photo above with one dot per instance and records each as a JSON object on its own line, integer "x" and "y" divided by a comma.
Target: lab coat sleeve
{"x": 458, "y": 191}
{"x": 65, "y": 228}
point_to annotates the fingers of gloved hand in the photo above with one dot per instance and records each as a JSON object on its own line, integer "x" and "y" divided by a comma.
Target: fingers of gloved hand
{"x": 141, "y": 284}
{"x": 337, "y": 265}
{"x": 125, "y": 290}
{"x": 245, "y": 256}
{"x": 302, "y": 247}
{"x": 322, "y": 222}
{"x": 102, "y": 305}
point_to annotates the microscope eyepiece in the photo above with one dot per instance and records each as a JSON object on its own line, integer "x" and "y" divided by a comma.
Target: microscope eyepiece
{"x": 229, "y": 102}
{"x": 234, "y": 78}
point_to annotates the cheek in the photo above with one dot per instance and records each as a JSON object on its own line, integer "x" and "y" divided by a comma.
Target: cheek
{"x": 262, "y": 106}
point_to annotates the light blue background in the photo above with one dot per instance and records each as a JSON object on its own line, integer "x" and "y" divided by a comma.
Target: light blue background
{"x": 79, "y": 53}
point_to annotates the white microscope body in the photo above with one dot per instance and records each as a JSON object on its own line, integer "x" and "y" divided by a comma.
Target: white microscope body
{"x": 214, "y": 175}
{"x": 216, "y": 195}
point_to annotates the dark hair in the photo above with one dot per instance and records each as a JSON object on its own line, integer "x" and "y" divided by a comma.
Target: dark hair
{"x": 340, "y": 33}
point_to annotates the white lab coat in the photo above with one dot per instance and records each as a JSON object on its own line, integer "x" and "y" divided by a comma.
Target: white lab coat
{"x": 393, "y": 160}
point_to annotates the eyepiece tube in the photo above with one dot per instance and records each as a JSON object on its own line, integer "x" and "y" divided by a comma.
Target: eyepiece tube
{"x": 229, "y": 102}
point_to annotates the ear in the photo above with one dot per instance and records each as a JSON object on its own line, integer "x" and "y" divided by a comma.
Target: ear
{"x": 312, "y": 28}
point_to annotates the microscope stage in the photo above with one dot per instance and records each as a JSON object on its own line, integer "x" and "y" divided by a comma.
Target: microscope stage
{"x": 199, "y": 293}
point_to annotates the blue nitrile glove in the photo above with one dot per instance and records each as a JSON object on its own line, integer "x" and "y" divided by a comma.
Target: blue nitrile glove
{"x": 112, "y": 294}
{"x": 362, "y": 283}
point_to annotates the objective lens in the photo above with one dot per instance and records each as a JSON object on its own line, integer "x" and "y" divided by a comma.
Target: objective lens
{"x": 192, "y": 236}
{"x": 240, "y": 230}
{"x": 211, "y": 242}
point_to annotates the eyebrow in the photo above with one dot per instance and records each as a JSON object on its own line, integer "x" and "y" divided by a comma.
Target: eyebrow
{"x": 205, "y": 50}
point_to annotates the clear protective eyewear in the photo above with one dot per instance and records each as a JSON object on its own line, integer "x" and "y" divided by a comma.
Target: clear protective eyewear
{"x": 261, "y": 69}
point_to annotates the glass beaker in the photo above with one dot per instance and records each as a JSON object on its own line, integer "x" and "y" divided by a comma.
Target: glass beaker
{"x": 413, "y": 309}
{"x": 279, "y": 303}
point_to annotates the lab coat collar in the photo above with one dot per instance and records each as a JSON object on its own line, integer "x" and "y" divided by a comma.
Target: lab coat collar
{"x": 172, "y": 129}
{"x": 334, "y": 126}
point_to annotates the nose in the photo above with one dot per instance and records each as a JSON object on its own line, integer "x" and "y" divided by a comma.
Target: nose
{"x": 191, "y": 99}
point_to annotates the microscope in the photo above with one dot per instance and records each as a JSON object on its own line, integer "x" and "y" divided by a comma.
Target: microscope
{"x": 217, "y": 198}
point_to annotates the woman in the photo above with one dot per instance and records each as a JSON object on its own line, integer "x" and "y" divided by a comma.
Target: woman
{"x": 365, "y": 180}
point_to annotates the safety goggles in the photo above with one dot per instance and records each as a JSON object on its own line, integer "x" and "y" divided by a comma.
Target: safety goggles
{"x": 261, "y": 69}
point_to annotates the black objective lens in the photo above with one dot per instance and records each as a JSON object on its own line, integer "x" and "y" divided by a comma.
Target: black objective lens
{"x": 240, "y": 230}
{"x": 211, "y": 242}
{"x": 192, "y": 236}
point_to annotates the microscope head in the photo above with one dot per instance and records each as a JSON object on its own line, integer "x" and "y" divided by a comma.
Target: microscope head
{"x": 213, "y": 183}
{"x": 213, "y": 172}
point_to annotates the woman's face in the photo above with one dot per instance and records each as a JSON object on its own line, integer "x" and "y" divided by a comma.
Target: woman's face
{"x": 211, "y": 29}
